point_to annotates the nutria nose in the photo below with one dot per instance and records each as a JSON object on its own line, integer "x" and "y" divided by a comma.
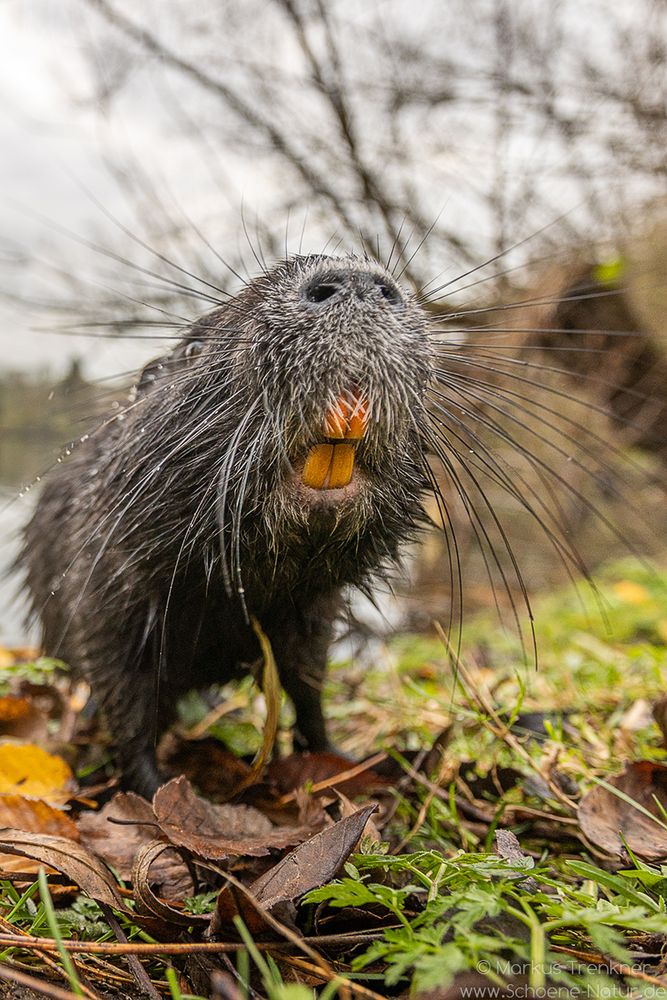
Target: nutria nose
{"x": 336, "y": 284}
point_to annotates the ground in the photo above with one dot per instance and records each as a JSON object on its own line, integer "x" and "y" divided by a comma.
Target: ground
{"x": 514, "y": 828}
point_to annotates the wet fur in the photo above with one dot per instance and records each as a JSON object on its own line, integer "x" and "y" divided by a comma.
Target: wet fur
{"x": 181, "y": 516}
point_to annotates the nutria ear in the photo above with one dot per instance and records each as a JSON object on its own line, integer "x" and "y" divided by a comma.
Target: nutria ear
{"x": 151, "y": 373}
{"x": 207, "y": 325}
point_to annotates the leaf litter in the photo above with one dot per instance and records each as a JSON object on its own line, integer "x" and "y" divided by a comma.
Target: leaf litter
{"x": 527, "y": 838}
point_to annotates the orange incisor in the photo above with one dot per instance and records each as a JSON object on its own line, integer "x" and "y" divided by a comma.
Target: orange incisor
{"x": 330, "y": 466}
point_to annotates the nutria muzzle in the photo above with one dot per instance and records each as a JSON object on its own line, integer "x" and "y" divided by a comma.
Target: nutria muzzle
{"x": 273, "y": 458}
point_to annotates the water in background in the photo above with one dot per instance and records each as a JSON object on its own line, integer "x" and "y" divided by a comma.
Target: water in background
{"x": 14, "y": 512}
{"x": 38, "y": 416}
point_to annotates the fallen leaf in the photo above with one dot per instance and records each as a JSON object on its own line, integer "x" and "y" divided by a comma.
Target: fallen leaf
{"x": 307, "y": 867}
{"x": 32, "y": 816}
{"x": 148, "y": 902}
{"x": 27, "y": 770}
{"x": 35, "y": 816}
{"x": 71, "y": 859}
{"x": 214, "y": 831}
{"x": 272, "y": 691}
{"x": 607, "y": 819}
{"x": 299, "y": 769}
{"x": 509, "y": 848}
{"x": 348, "y": 808}
{"x": 215, "y": 771}
{"x": 120, "y": 830}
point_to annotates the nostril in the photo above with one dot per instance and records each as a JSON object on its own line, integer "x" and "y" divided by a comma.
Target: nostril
{"x": 320, "y": 291}
{"x": 389, "y": 291}
{"x": 332, "y": 285}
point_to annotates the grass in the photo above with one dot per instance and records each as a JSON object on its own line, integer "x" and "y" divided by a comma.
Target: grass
{"x": 437, "y": 899}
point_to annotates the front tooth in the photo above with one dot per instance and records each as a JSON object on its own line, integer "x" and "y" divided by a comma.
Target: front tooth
{"x": 342, "y": 466}
{"x": 357, "y": 421}
{"x": 317, "y": 465}
{"x": 335, "y": 424}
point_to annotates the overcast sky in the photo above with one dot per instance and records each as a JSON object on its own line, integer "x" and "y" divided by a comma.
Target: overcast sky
{"x": 54, "y": 146}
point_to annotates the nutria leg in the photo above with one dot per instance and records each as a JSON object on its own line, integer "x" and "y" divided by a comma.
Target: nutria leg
{"x": 129, "y": 709}
{"x": 139, "y": 770}
{"x": 301, "y": 656}
{"x": 304, "y": 686}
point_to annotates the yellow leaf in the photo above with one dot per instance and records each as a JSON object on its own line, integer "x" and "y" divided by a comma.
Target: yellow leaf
{"x": 35, "y": 816}
{"x": 29, "y": 771}
{"x": 272, "y": 692}
{"x": 630, "y": 592}
{"x": 661, "y": 628}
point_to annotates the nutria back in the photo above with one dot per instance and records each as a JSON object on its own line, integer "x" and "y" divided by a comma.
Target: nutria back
{"x": 275, "y": 456}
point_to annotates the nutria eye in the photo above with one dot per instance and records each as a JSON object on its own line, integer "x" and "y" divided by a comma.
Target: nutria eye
{"x": 193, "y": 348}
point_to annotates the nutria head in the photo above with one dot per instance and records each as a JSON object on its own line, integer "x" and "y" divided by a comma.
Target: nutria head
{"x": 298, "y": 410}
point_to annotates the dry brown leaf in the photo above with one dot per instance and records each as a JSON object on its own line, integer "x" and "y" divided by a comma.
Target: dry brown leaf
{"x": 215, "y": 771}
{"x": 299, "y": 769}
{"x": 217, "y": 831}
{"x": 272, "y": 691}
{"x": 348, "y": 808}
{"x": 120, "y": 830}
{"x": 35, "y": 816}
{"x": 73, "y": 860}
{"x": 148, "y": 902}
{"x": 27, "y": 770}
{"x": 307, "y": 867}
{"x": 312, "y": 863}
{"x": 32, "y": 816}
{"x": 608, "y": 820}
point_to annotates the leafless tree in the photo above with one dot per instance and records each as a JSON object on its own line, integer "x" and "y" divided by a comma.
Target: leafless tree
{"x": 468, "y": 126}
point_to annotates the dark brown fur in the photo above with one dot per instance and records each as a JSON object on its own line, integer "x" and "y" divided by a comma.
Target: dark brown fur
{"x": 183, "y": 515}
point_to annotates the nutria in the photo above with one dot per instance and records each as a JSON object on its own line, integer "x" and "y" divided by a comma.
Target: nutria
{"x": 274, "y": 457}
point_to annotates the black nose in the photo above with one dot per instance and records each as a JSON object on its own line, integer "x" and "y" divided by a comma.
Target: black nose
{"x": 335, "y": 284}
